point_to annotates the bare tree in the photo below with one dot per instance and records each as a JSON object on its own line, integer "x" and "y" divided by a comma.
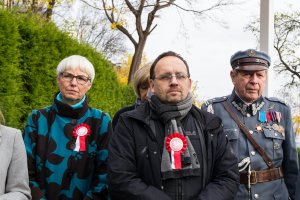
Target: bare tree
{"x": 286, "y": 44}
{"x": 136, "y": 18}
{"x": 42, "y": 7}
{"x": 90, "y": 26}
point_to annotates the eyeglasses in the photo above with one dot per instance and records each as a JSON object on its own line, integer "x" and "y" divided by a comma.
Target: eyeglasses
{"x": 168, "y": 77}
{"x": 82, "y": 80}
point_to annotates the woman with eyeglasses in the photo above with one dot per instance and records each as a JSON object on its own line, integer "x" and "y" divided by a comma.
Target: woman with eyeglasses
{"x": 140, "y": 86}
{"x": 66, "y": 142}
{"x": 13, "y": 165}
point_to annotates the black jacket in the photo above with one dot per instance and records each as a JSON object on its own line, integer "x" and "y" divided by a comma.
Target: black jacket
{"x": 135, "y": 159}
{"x": 117, "y": 115}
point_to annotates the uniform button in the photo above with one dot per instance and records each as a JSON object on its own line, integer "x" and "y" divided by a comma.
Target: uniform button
{"x": 256, "y": 196}
{"x": 251, "y": 132}
{"x": 275, "y": 134}
{"x": 154, "y": 152}
{"x": 248, "y": 115}
{"x": 253, "y": 153}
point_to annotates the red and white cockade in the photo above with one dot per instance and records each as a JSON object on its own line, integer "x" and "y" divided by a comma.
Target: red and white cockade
{"x": 80, "y": 132}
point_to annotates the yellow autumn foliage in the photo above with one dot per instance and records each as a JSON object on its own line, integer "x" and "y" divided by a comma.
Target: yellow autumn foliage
{"x": 296, "y": 122}
{"x": 121, "y": 22}
{"x": 122, "y": 71}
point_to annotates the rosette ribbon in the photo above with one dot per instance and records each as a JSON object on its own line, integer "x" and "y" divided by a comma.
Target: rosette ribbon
{"x": 176, "y": 144}
{"x": 80, "y": 132}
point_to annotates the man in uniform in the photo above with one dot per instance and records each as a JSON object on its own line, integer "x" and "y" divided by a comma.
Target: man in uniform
{"x": 269, "y": 165}
{"x": 168, "y": 149}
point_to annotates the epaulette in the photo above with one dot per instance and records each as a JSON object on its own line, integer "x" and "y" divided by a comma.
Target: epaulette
{"x": 275, "y": 99}
{"x": 209, "y": 103}
{"x": 215, "y": 100}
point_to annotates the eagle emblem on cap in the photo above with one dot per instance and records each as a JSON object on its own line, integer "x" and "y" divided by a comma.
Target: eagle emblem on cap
{"x": 251, "y": 52}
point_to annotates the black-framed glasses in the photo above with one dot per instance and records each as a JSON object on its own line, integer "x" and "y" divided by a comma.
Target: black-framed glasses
{"x": 81, "y": 79}
{"x": 168, "y": 77}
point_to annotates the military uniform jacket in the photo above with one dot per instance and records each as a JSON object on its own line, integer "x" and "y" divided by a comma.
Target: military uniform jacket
{"x": 274, "y": 134}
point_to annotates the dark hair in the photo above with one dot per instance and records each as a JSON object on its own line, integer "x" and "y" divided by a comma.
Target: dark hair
{"x": 165, "y": 54}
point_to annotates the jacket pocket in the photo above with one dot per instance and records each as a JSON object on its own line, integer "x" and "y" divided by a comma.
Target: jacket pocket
{"x": 273, "y": 143}
{"x": 232, "y": 135}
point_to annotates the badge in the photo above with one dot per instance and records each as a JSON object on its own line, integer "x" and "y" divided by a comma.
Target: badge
{"x": 262, "y": 116}
{"x": 251, "y": 52}
{"x": 80, "y": 132}
{"x": 275, "y": 127}
{"x": 276, "y": 145}
{"x": 268, "y": 126}
{"x": 281, "y": 130}
{"x": 258, "y": 128}
{"x": 176, "y": 144}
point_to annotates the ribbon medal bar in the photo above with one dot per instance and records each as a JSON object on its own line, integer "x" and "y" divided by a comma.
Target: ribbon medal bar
{"x": 262, "y": 116}
{"x": 176, "y": 144}
{"x": 80, "y": 132}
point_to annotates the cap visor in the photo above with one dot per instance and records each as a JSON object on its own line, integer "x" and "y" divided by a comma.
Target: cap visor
{"x": 252, "y": 67}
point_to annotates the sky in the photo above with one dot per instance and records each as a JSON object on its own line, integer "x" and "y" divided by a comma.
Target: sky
{"x": 208, "y": 48}
{"x": 207, "y": 45}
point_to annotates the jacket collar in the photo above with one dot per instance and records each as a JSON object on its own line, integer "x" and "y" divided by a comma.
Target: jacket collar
{"x": 246, "y": 109}
{"x": 143, "y": 113}
{"x": 66, "y": 110}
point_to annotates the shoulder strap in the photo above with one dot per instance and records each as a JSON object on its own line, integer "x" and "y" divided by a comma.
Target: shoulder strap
{"x": 245, "y": 130}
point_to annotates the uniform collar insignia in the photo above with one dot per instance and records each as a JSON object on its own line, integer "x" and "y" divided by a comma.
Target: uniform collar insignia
{"x": 250, "y": 109}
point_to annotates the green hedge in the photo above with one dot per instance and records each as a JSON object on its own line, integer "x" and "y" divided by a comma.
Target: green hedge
{"x": 30, "y": 49}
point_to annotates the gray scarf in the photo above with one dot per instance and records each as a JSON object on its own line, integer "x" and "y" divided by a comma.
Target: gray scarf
{"x": 171, "y": 114}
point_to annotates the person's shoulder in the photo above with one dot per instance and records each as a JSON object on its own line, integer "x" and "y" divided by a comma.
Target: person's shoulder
{"x": 276, "y": 100}
{"x": 140, "y": 113}
{"x": 9, "y": 130}
{"x": 125, "y": 109}
{"x": 119, "y": 112}
{"x": 42, "y": 110}
{"x": 215, "y": 100}
{"x": 211, "y": 120}
{"x": 98, "y": 113}
{"x": 210, "y": 104}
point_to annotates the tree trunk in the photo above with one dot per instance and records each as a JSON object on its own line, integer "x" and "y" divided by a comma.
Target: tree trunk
{"x": 49, "y": 10}
{"x": 136, "y": 59}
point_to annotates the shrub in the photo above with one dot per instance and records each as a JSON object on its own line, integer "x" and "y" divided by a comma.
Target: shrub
{"x": 30, "y": 50}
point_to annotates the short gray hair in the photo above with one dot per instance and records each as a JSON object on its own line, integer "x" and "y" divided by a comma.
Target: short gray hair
{"x": 76, "y": 61}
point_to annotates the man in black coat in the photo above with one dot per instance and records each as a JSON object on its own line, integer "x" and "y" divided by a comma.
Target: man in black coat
{"x": 168, "y": 149}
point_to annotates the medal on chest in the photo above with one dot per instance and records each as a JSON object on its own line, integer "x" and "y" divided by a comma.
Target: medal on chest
{"x": 80, "y": 132}
{"x": 176, "y": 144}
